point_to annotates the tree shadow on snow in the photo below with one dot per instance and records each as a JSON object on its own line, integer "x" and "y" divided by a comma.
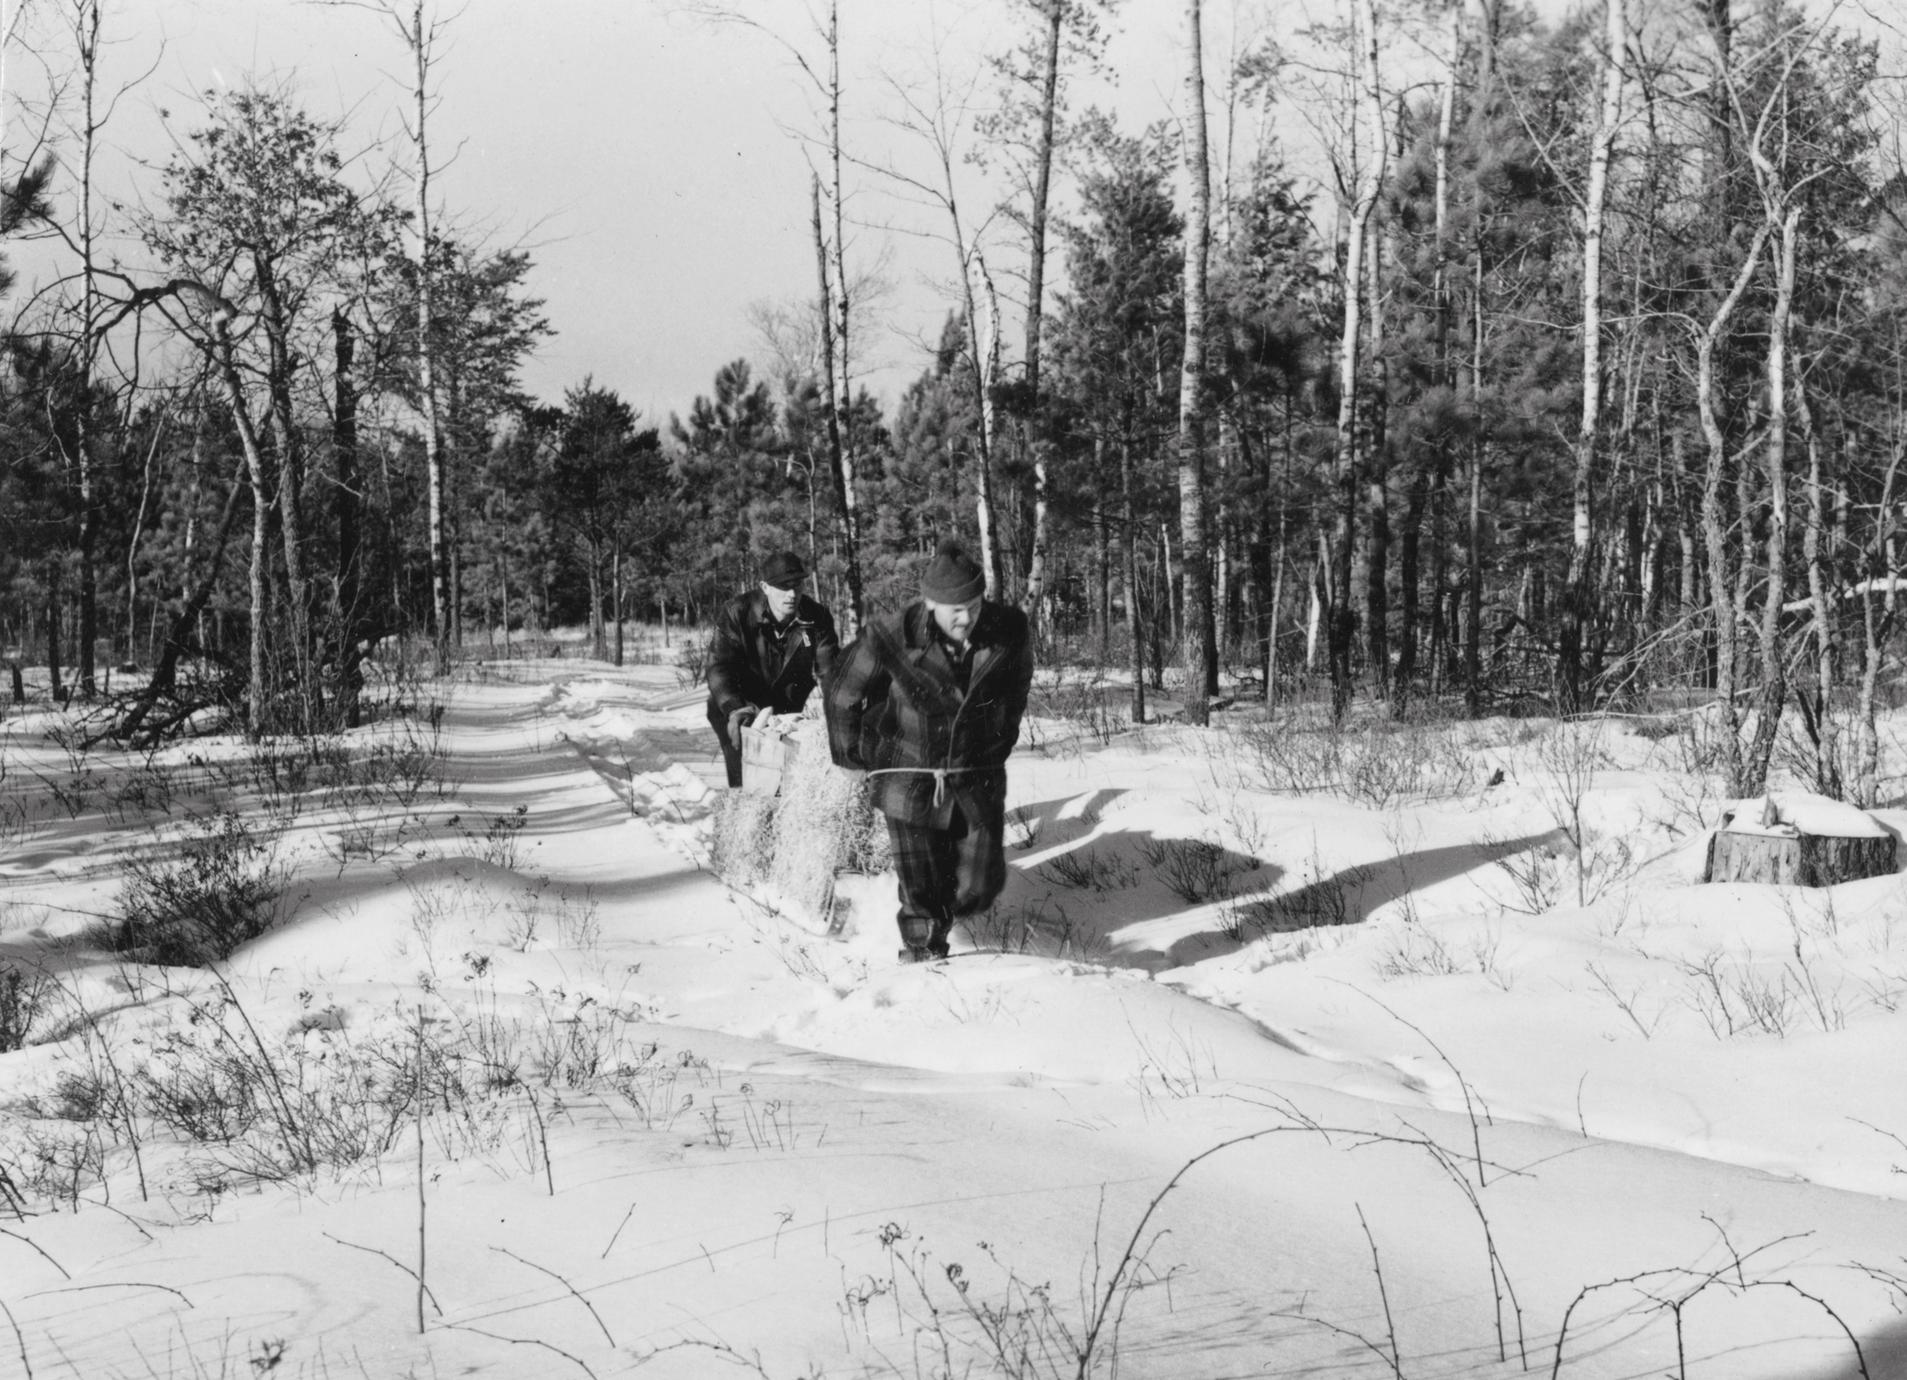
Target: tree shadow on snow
{"x": 1037, "y": 827}
{"x": 1884, "y": 1352}
{"x": 1133, "y": 899}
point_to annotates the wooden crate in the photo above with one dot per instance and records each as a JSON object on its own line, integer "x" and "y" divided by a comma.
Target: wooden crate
{"x": 765, "y": 752}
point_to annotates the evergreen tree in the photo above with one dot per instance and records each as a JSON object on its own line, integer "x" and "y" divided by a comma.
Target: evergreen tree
{"x": 600, "y": 472}
{"x": 1117, "y": 333}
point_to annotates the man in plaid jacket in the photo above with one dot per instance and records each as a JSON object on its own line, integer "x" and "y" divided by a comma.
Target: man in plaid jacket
{"x": 928, "y": 703}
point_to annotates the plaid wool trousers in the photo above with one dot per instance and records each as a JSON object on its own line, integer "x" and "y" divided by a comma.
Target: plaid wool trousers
{"x": 946, "y": 874}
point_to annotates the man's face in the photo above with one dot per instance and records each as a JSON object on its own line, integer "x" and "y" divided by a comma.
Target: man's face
{"x": 781, "y": 602}
{"x": 955, "y": 620}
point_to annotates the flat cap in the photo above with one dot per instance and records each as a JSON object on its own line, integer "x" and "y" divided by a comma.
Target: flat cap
{"x": 783, "y": 570}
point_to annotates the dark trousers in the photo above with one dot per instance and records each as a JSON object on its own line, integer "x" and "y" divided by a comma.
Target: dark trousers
{"x": 731, "y": 753}
{"x": 946, "y": 874}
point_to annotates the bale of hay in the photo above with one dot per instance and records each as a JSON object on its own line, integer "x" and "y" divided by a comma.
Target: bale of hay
{"x": 785, "y": 849}
{"x": 1793, "y": 838}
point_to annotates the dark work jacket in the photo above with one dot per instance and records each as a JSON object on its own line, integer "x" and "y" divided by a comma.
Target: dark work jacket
{"x": 747, "y": 666}
{"x": 897, "y": 702}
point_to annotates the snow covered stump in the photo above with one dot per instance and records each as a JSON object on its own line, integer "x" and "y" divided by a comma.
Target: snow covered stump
{"x": 1794, "y": 838}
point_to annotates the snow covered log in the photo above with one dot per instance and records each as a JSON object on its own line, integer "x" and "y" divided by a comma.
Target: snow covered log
{"x": 1793, "y": 838}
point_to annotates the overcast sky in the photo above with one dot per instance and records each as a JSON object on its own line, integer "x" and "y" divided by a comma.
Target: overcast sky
{"x": 651, "y": 162}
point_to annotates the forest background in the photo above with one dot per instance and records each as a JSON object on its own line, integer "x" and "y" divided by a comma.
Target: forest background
{"x": 1425, "y": 356}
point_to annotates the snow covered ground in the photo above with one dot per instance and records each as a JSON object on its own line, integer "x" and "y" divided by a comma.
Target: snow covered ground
{"x": 1441, "y": 1067}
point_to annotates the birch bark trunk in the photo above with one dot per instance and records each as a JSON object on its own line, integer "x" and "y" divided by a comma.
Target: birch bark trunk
{"x": 1198, "y": 651}
{"x": 1578, "y": 605}
{"x": 1367, "y": 114}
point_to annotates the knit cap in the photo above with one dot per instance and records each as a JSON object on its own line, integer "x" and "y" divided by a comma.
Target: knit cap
{"x": 952, "y": 576}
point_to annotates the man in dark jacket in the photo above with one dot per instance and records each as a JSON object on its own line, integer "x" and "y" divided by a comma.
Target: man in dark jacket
{"x": 770, "y": 645}
{"x": 928, "y": 703}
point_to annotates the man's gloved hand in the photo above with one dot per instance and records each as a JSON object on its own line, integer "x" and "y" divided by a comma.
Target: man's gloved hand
{"x": 738, "y": 719}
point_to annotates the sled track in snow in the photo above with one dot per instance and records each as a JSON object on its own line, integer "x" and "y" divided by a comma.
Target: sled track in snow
{"x": 657, "y": 766}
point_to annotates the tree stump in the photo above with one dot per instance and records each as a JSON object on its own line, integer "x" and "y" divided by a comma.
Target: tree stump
{"x": 1793, "y": 838}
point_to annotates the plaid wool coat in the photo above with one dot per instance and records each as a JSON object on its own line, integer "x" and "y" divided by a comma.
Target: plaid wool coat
{"x": 896, "y": 702}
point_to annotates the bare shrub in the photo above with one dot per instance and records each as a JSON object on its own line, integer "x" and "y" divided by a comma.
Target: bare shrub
{"x": 992, "y": 1320}
{"x": 1691, "y": 802}
{"x": 295, "y": 766}
{"x": 1198, "y": 870}
{"x": 409, "y": 763}
{"x": 692, "y": 661}
{"x": 1737, "y": 996}
{"x": 1417, "y": 950}
{"x": 24, "y": 998}
{"x": 1286, "y": 758}
{"x": 1318, "y": 898}
{"x": 1698, "y": 744}
{"x": 1536, "y": 874}
{"x": 201, "y": 1088}
{"x": 256, "y": 1109}
{"x": 575, "y": 1045}
{"x": 498, "y": 840}
{"x": 17, "y": 827}
{"x": 368, "y": 835}
{"x": 1378, "y": 764}
{"x": 660, "y": 1088}
{"x": 1045, "y": 927}
{"x": 74, "y": 792}
{"x": 148, "y": 789}
{"x": 1668, "y": 1293}
{"x": 1088, "y": 869}
{"x": 57, "y": 1162}
{"x": 1579, "y": 861}
{"x": 1091, "y": 706}
{"x": 1629, "y": 1003}
{"x": 223, "y": 888}
{"x": 579, "y": 922}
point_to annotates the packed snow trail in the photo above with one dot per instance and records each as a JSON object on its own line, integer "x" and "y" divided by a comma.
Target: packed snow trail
{"x": 1169, "y": 1048}
{"x": 789, "y": 1140}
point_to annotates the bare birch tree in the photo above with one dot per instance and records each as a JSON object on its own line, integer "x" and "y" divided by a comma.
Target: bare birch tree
{"x": 85, "y": 21}
{"x": 1434, "y": 487}
{"x": 79, "y": 108}
{"x": 1362, "y": 181}
{"x": 1054, "y": 15}
{"x": 1721, "y": 581}
{"x": 937, "y": 110}
{"x": 1198, "y": 636}
{"x": 839, "y": 289}
{"x": 13, "y": 15}
{"x": 840, "y": 459}
{"x": 1780, "y": 188}
{"x": 1024, "y": 136}
{"x": 1580, "y": 599}
{"x": 420, "y": 29}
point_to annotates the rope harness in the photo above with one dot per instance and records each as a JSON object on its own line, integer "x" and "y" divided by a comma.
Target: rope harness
{"x": 940, "y": 775}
